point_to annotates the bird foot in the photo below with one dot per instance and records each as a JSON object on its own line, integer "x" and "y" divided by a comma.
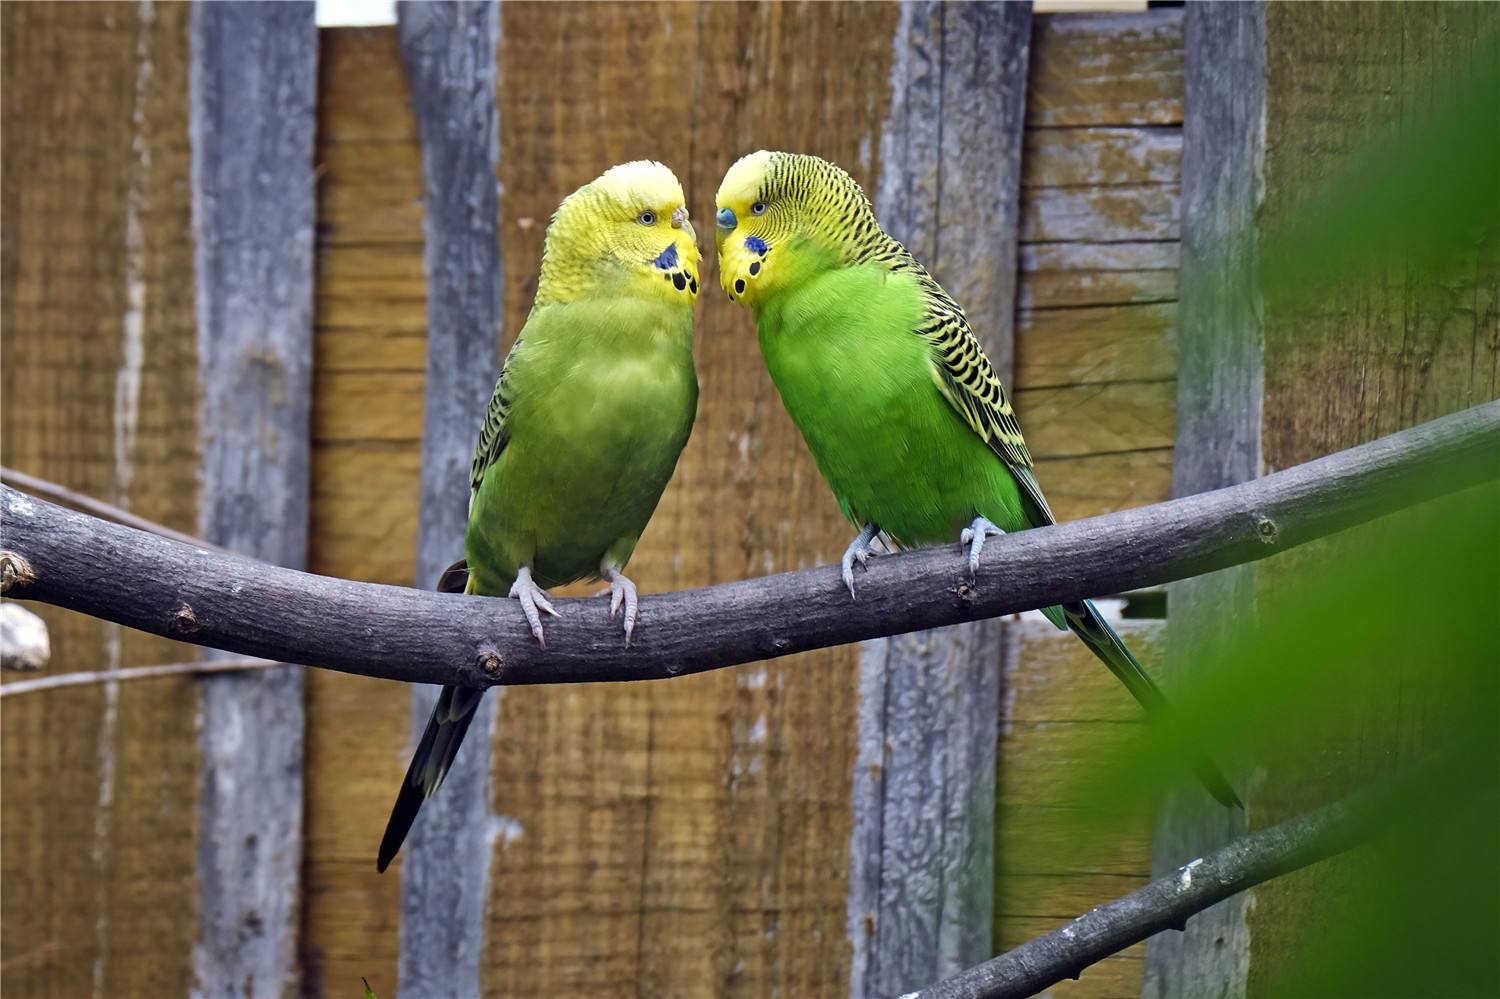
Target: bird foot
{"x": 622, "y": 593}
{"x": 534, "y": 601}
{"x": 859, "y": 550}
{"x": 975, "y": 536}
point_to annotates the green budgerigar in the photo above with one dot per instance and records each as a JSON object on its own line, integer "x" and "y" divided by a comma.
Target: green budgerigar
{"x": 878, "y": 367}
{"x": 592, "y": 409}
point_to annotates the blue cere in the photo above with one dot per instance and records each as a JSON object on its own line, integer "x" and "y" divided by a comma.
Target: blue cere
{"x": 756, "y": 245}
{"x": 726, "y": 218}
{"x": 668, "y": 258}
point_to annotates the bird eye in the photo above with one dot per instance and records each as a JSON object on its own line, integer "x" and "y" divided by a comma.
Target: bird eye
{"x": 647, "y": 217}
{"x": 759, "y": 208}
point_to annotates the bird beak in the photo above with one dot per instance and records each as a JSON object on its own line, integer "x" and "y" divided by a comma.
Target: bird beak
{"x": 679, "y": 218}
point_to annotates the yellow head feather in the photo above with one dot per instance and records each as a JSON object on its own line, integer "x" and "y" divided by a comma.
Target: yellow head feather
{"x": 625, "y": 232}
{"x": 782, "y": 216}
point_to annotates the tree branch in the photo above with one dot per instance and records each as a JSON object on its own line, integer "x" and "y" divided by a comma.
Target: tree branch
{"x": 1167, "y": 902}
{"x": 205, "y": 667}
{"x": 59, "y": 493}
{"x": 248, "y": 607}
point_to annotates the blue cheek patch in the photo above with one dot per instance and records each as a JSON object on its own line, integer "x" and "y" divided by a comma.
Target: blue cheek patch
{"x": 756, "y": 245}
{"x": 668, "y": 258}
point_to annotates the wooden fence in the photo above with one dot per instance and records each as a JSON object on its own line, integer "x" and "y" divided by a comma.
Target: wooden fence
{"x": 702, "y": 836}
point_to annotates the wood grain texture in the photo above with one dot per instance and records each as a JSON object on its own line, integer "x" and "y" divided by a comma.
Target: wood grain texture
{"x": 1061, "y": 711}
{"x": 689, "y": 838}
{"x": 1058, "y": 275}
{"x": 1398, "y": 344}
{"x": 370, "y": 356}
{"x": 1096, "y": 331}
{"x": 1095, "y": 368}
{"x": 1218, "y": 438}
{"x": 254, "y": 90}
{"x": 449, "y": 50}
{"x": 1107, "y": 69}
{"x": 101, "y": 783}
{"x": 920, "y": 893}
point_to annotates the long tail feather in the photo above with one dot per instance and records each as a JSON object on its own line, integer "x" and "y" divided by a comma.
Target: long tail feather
{"x": 1089, "y": 625}
{"x": 439, "y": 745}
{"x": 429, "y": 765}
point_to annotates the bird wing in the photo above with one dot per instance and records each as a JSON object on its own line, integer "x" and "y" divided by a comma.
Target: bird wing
{"x": 494, "y": 434}
{"x": 972, "y": 387}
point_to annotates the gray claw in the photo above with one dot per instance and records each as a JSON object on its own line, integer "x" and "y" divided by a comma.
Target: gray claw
{"x": 534, "y": 601}
{"x": 859, "y": 550}
{"x": 975, "y": 536}
{"x": 622, "y": 593}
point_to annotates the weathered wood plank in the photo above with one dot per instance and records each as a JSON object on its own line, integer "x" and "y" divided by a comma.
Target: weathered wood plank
{"x": 1062, "y": 275}
{"x": 1059, "y": 348}
{"x": 1074, "y": 157}
{"x": 1099, "y": 483}
{"x": 366, "y": 459}
{"x": 1107, "y": 69}
{"x": 920, "y": 902}
{"x": 1077, "y": 420}
{"x": 100, "y": 783}
{"x": 1126, "y": 212}
{"x": 1062, "y": 713}
{"x": 449, "y": 50}
{"x": 1218, "y": 437}
{"x": 254, "y": 83}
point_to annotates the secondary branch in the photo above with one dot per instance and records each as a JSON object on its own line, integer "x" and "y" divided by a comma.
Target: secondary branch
{"x": 1167, "y": 902}
{"x": 230, "y": 602}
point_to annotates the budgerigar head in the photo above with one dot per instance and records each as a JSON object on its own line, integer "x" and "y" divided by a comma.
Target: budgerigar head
{"x": 627, "y": 231}
{"x": 783, "y": 217}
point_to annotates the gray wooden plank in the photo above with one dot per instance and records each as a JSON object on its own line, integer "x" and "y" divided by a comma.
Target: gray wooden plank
{"x": 450, "y": 54}
{"x": 254, "y": 93}
{"x": 922, "y": 849}
{"x": 1219, "y": 378}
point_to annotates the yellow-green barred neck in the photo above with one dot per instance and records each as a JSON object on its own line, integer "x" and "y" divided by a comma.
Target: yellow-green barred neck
{"x": 628, "y": 231}
{"x": 804, "y": 205}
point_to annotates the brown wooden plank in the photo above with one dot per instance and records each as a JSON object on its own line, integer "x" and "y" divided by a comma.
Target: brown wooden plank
{"x": 101, "y": 783}
{"x": 1107, "y": 69}
{"x": 1078, "y": 420}
{"x": 1100, "y": 214}
{"x": 1062, "y": 713}
{"x": 1075, "y": 157}
{"x": 1099, "y": 483}
{"x": 371, "y": 320}
{"x": 689, "y": 837}
{"x": 1095, "y": 360}
{"x": 1071, "y": 347}
{"x": 1060, "y": 275}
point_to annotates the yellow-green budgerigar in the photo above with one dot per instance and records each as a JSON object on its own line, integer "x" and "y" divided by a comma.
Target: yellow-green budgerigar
{"x": 592, "y": 409}
{"x": 878, "y": 367}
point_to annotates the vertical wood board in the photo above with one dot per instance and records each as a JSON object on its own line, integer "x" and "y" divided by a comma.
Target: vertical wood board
{"x": 920, "y": 894}
{"x": 1218, "y": 440}
{"x": 449, "y": 50}
{"x": 370, "y": 357}
{"x": 254, "y": 91}
{"x": 101, "y": 783}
